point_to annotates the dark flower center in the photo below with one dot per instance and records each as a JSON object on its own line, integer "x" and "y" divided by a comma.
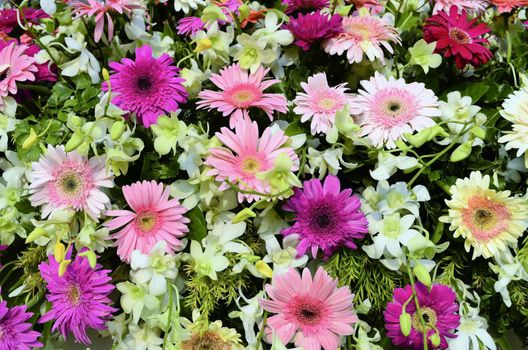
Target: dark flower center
{"x": 146, "y": 221}
{"x": 70, "y": 184}
{"x": 309, "y": 314}
{"x": 5, "y": 73}
{"x": 429, "y": 316}
{"x": 322, "y": 218}
{"x": 460, "y": 36}
{"x": 144, "y": 83}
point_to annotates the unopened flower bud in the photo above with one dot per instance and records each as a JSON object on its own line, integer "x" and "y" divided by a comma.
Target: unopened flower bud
{"x": 405, "y": 323}
{"x": 117, "y": 130}
{"x": 422, "y": 274}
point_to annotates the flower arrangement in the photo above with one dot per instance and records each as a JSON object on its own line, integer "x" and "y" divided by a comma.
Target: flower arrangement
{"x": 230, "y": 174}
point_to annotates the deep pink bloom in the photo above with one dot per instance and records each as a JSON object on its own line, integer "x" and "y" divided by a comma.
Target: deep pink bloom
{"x": 438, "y": 307}
{"x": 326, "y": 218}
{"x": 79, "y": 298}
{"x": 458, "y": 37}
{"x": 313, "y": 312}
{"x": 155, "y": 217}
{"x": 9, "y": 18}
{"x": 148, "y": 86}
{"x": 246, "y": 156}
{"x": 190, "y": 25}
{"x": 45, "y": 71}
{"x": 242, "y": 90}
{"x": 305, "y": 5}
{"x": 313, "y": 27}
{"x": 509, "y": 5}
{"x": 15, "y": 332}
{"x": 103, "y": 9}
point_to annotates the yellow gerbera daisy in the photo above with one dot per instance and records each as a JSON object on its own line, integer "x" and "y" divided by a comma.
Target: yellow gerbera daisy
{"x": 489, "y": 220}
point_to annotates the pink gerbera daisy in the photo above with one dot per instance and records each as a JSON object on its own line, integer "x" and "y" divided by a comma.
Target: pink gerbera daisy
{"x": 252, "y": 155}
{"x": 438, "y": 309}
{"x": 68, "y": 180}
{"x": 470, "y": 6}
{"x": 79, "y": 298}
{"x": 101, "y": 9}
{"x": 15, "y": 331}
{"x": 155, "y": 217}
{"x": 242, "y": 90}
{"x": 320, "y": 102}
{"x": 15, "y": 66}
{"x": 457, "y": 36}
{"x": 148, "y": 86}
{"x": 313, "y": 312}
{"x": 509, "y": 5}
{"x": 363, "y": 35}
{"x": 387, "y": 109}
{"x": 325, "y": 217}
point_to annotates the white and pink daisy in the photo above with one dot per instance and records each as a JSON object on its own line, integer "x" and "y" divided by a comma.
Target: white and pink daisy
{"x": 470, "y": 6}
{"x": 62, "y": 180}
{"x": 388, "y": 108}
{"x": 242, "y": 90}
{"x": 312, "y": 312}
{"x": 246, "y": 155}
{"x": 15, "y": 66}
{"x": 320, "y": 102}
{"x": 154, "y": 217}
{"x": 363, "y": 35}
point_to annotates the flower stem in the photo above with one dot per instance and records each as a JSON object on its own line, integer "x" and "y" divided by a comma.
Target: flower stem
{"x": 415, "y": 296}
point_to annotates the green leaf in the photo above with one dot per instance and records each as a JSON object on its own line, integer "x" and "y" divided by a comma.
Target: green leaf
{"x": 197, "y": 226}
{"x": 476, "y": 91}
{"x": 293, "y": 129}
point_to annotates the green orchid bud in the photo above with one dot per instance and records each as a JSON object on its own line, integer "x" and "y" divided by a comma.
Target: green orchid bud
{"x": 344, "y": 10}
{"x": 422, "y": 274}
{"x": 63, "y": 266}
{"x": 462, "y": 152}
{"x": 478, "y": 132}
{"x": 36, "y": 234}
{"x": 117, "y": 130}
{"x": 75, "y": 120}
{"x": 435, "y": 340}
{"x": 244, "y": 10}
{"x": 106, "y": 75}
{"x": 421, "y": 137}
{"x": 59, "y": 251}
{"x": 92, "y": 258}
{"x": 402, "y": 146}
{"x": 30, "y": 140}
{"x": 243, "y": 215}
{"x": 405, "y": 323}
{"x": 212, "y": 13}
{"x": 264, "y": 269}
{"x": 75, "y": 141}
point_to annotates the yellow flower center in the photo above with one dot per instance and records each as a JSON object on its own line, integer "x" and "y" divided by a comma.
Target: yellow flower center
{"x": 429, "y": 317}
{"x": 146, "y": 221}
{"x": 250, "y": 166}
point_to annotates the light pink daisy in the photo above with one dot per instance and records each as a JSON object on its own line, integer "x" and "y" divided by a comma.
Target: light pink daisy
{"x": 246, "y": 156}
{"x": 470, "y": 6}
{"x": 314, "y": 312}
{"x": 389, "y": 108}
{"x": 61, "y": 180}
{"x": 101, "y": 9}
{"x": 242, "y": 90}
{"x": 15, "y": 66}
{"x": 154, "y": 217}
{"x": 320, "y": 102}
{"x": 363, "y": 35}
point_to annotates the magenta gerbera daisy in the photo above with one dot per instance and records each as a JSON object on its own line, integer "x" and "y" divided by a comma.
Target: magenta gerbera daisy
{"x": 190, "y": 25}
{"x": 242, "y": 90}
{"x": 457, "y": 36}
{"x": 67, "y": 180}
{"x": 15, "y": 332}
{"x": 9, "y": 18}
{"x": 388, "y": 108}
{"x": 438, "y": 308}
{"x": 154, "y": 217}
{"x": 313, "y": 27}
{"x": 79, "y": 298}
{"x": 363, "y": 35}
{"x": 320, "y": 102}
{"x": 15, "y": 66}
{"x": 326, "y": 218}
{"x": 304, "y": 5}
{"x": 148, "y": 86}
{"x": 312, "y": 312}
{"x": 246, "y": 156}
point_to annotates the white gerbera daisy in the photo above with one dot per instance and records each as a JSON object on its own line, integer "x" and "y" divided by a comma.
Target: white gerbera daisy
{"x": 515, "y": 110}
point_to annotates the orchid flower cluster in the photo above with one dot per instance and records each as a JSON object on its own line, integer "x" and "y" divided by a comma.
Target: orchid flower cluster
{"x": 245, "y": 175}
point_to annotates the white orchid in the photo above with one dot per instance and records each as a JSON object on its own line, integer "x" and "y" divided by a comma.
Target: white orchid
{"x": 84, "y": 63}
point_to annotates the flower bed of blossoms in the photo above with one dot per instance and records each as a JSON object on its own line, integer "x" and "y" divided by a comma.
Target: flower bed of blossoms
{"x": 226, "y": 175}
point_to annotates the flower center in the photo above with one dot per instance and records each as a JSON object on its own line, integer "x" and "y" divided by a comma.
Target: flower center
{"x": 206, "y": 341}
{"x": 308, "y": 314}
{"x": 146, "y": 221}
{"x": 485, "y": 218}
{"x": 73, "y": 294}
{"x": 394, "y": 108}
{"x": 250, "y": 166}
{"x": 243, "y": 96}
{"x": 460, "y": 36}
{"x": 5, "y": 73}
{"x": 70, "y": 184}
{"x": 322, "y": 217}
{"x": 429, "y": 317}
{"x": 144, "y": 83}
{"x": 327, "y": 104}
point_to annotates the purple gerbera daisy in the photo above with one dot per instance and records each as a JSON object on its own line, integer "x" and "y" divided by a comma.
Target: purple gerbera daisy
{"x": 313, "y": 27}
{"x": 438, "y": 308}
{"x": 15, "y": 332}
{"x": 79, "y": 298}
{"x": 190, "y": 25}
{"x": 304, "y": 5}
{"x": 148, "y": 86}
{"x": 326, "y": 217}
